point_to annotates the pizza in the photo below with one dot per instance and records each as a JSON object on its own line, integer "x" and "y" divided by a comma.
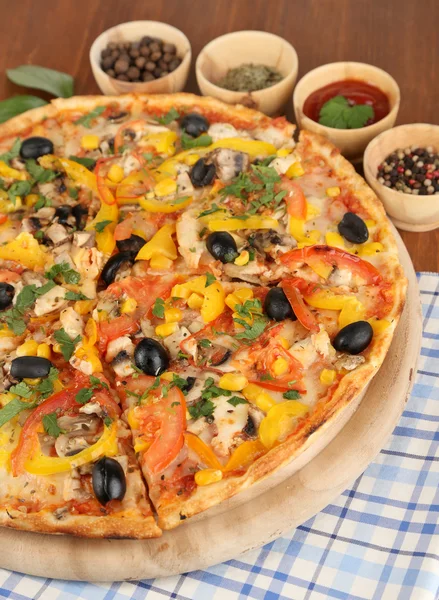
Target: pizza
{"x": 188, "y": 298}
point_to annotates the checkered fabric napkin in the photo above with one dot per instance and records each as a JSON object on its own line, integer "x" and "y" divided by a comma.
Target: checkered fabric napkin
{"x": 377, "y": 541}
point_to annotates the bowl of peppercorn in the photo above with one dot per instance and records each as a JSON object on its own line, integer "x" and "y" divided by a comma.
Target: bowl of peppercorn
{"x": 142, "y": 57}
{"x": 254, "y": 68}
{"x": 402, "y": 167}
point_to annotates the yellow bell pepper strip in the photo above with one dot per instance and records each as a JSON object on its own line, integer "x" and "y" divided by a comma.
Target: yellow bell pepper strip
{"x": 244, "y": 455}
{"x": 233, "y": 224}
{"x": 9, "y": 172}
{"x": 24, "y": 249}
{"x": 161, "y": 243}
{"x": 352, "y": 311}
{"x": 157, "y": 206}
{"x": 162, "y": 142}
{"x": 74, "y": 170}
{"x": 204, "y": 452}
{"x": 279, "y": 422}
{"x": 253, "y": 148}
{"x": 213, "y": 303}
{"x": 134, "y": 187}
{"x": 108, "y": 212}
{"x": 379, "y": 325}
{"x": 40, "y": 464}
{"x": 327, "y": 299}
{"x": 258, "y": 396}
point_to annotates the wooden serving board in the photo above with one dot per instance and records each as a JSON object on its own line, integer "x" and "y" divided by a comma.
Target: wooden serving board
{"x": 265, "y": 512}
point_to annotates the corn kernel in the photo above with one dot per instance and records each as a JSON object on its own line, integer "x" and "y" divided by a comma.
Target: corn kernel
{"x": 158, "y": 261}
{"x": 43, "y": 351}
{"x": 191, "y": 159}
{"x": 132, "y": 419}
{"x": 379, "y": 325}
{"x": 180, "y": 291}
{"x": 233, "y": 382}
{"x": 83, "y": 307}
{"x": 312, "y": 211}
{"x": 128, "y": 306}
{"x": 90, "y": 142}
{"x": 116, "y": 173}
{"x": 28, "y": 348}
{"x": 332, "y": 192}
{"x": 370, "y": 223}
{"x": 283, "y": 152}
{"x": 232, "y": 301}
{"x": 173, "y": 315}
{"x": 207, "y": 476}
{"x": 32, "y": 381}
{"x": 18, "y": 202}
{"x": 168, "y": 376}
{"x": 327, "y": 376}
{"x": 334, "y": 239}
{"x": 56, "y": 348}
{"x": 280, "y": 366}
{"x": 370, "y": 249}
{"x": 295, "y": 170}
{"x": 283, "y": 342}
{"x": 242, "y": 259}
{"x": 141, "y": 445}
{"x": 165, "y": 187}
{"x": 166, "y": 329}
{"x": 102, "y": 316}
{"x": 195, "y": 301}
{"x": 31, "y": 199}
{"x": 244, "y": 294}
{"x": 257, "y": 395}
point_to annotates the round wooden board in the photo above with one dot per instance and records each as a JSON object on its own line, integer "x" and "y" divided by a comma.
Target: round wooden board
{"x": 223, "y": 535}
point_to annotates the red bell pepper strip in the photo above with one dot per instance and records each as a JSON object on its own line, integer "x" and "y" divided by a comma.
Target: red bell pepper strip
{"x": 302, "y": 312}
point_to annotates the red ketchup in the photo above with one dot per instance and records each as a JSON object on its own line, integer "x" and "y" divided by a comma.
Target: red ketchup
{"x": 355, "y": 92}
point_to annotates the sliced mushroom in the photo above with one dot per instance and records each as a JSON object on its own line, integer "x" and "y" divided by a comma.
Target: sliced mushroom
{"x": 229, "y": 163}
{"x": 57, "y": 234}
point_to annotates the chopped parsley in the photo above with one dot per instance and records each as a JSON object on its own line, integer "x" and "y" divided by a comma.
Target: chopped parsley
{"x": 85, "y": 394}
{"x": 45, "y": 387}
{"x": 209, "y": 279}
{"x": 214, "y": 208}
{"x": 64, "y": 269}
{"x": 86, "y": 120}
{"x": 203, "y": 408}
{"x": 12, "y": 153}
{"x": 102, "y": 225}
{"x": 39, "y": 173}
{"x": 75, "y": 296}
{"x": 235, "y": 400}
{"x": 158, "y": 310}
{"x": 50, "y": 424}
{"x": 66, "y": 343}
{"x": 88, "y": 163}
{"x": 42, "y": 202}
{"x": 19, "y": 188}
{"x": 73, "y": 193}
{"x": 21, "y": 389}
{"x": 291, "y": 395}
{"x": 171, "y": 115}
{"x": 14, "y": 317}
{"x": 205, "y": 343}
{"x": 339, "y": 114}
{"x": 13, "y": 408}
{"x": 188, "y": 142}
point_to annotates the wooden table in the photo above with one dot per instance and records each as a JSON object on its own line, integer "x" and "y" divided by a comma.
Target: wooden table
{"x": 399, "y": 36}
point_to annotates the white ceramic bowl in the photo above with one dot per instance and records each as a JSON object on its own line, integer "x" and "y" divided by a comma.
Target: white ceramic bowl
{"x": 243, "y": 47}
{"x": 408, "y": 212}
{"x": 132, "y": 32}
{"x": 351, "y": 142}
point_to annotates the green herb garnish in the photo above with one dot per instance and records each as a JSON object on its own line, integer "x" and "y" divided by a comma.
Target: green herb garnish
{"x": 66, "y": 343}
{"x": 102, "y": 225}
{"x": 64, "y": 269}
{"x": 235, "y": 400}
{"x": 13, "y": 408}
{"x": 39, "y": 173}
{"x": 86, "y": 120}
{"x": 339, "y": 114}
{"x": 50, "y": 424}
{"x": 188, "y": 142}
{"x": 291, "y": 395}
{"x": 171, "y": 115}
{"x": 158, "y": 309}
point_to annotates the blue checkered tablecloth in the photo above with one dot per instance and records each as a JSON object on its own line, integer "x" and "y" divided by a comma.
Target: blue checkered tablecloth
{"x": 377, "y": 541}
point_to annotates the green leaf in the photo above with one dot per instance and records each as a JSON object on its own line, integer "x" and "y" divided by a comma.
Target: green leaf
{"x": 188, "y": 142}
{"x": 45, "y": 387}
{"x": 13, "y": 408}
{"x": 50, "y": 424}
{"x": 252, "y": 331}
{"x": 88, "y": 163}
{"x": 75, "y": 296}
{"x": 17, "y": 105}
{"x": 102, "y": 225}
{"x": 96, "y": 382}
{"x": 86, "y": 120}
{"x": 73, "y": 193}
{"x": 170, "y": 116}
{"x": 84, "y": 395}
{"x": 214, "y": 208}
{"x": 21, "y": 389}
{"x": 158, "y": 309}
{"x": 13, "y": 152}
{"x": 339, "y": 114}
{"x": 209, "y": 279}
{"x": 205, "y": 343}
{"x": 203, "y": 408}
{"x": 108, "y": 421}
{"x": 235, "y": 400}
{"x": 41, "y": 78}
{"x": 291, "y": 395}
{"x": 39, "y": 173}
{"x": 66, "y": 343}
{"x": 64, "y": 269}
{"x": 15, "y": 323}
{"x": 19, "y": 188}
{"x": 42, "y": 202}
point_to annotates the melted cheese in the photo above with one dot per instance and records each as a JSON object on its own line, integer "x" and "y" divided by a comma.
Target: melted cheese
{"x": 229, "y": 420}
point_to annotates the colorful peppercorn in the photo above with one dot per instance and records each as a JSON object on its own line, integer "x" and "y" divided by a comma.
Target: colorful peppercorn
{"x": 411, "y": 171}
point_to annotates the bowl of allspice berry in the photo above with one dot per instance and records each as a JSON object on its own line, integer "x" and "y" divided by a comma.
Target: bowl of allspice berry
{"x": 141, "y": 57}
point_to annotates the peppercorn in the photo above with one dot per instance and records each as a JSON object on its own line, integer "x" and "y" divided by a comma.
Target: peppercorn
{"x": 411, "y": 170}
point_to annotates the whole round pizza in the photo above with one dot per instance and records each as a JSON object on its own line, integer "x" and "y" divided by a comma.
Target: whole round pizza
{"x": 187, "y": 297}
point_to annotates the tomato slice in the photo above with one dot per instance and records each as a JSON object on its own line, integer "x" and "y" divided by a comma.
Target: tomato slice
{"x": 295, "y": 199}
{"x": 111, "y": 330}
{"x": 335, "y": 257}
{"x": 163, "y": 424}
{"x": 302, "y": 312}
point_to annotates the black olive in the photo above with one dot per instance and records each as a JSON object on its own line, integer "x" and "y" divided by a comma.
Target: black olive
{"x": 30, "y": 367}
{"x": 194, "y": 124}
{"x": 132, "y": 244}
{"x": 250, "y": 427}
{"x": 35, "y": 147}
{"x": 353, "y": 228}
{"x": 353, "y": 338}
{"x": 109, "y": 482}
{"x": 36, "y": 223}
{"x": 113, "y": 265}
{"x": 63, "y": 213}
{"x": 202, "y": 174}
{"x": 7, "y": 292}
{"x": 79, "y": 211}
{"x": 190, "y": 384}
{"x": 151, "y": 357}
{"x": 276, "y": 305}
{"x": 222, "y": 246}
{"x": 222, "y": 359}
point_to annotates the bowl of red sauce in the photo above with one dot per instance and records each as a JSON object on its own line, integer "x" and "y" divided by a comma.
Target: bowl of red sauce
{"x": 348, "y": 102}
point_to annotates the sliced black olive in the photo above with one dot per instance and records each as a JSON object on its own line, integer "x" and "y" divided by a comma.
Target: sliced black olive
{"x": 113, "y": 265}
{"x": 63, "y": 213}
{"x": 250, "y": 427}
{"x": 30, "y": 367}
{"x": 35, "y": 147}
{"x": 202, "y": 174}
{"x": 118, "y": 117}
{"x": 79, "y": 211}
{"x": 7, "y": 292}
{"x": 353, "y": 338}
{"x": 36, "y": 223}
{"x": 276, "y": 305}
{"x": 109, "y": 481}
{"x": 151, "y": 357}
{"x": 190, "y": 384}
{"x": 132, "y": 244}
{"x": 219, "y": 359}
{"x": 353, "y": 228}
{"x": 194, "y": 124}
{"x": 222, "y": 246}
